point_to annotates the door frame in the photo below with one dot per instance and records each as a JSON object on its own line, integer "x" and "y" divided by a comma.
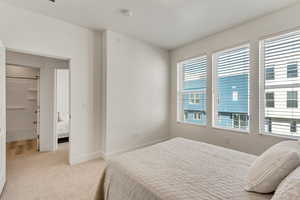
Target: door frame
{"x": 2, "y": 117}
{"x": 56, "y": 97}
{"x": 69, "y": 60}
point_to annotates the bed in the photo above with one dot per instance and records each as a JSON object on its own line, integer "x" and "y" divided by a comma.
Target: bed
{"x": 63, "y": 129}
{"x": 63, "y": 125}
{"x": 178, "y": 169}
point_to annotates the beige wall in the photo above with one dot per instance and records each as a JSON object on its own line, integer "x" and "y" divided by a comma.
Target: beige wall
{"x": 250, "y": 32}
{"x": 137, "y": 93}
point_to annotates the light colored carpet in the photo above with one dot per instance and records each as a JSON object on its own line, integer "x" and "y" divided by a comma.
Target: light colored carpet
{"x": 39, "y": 176}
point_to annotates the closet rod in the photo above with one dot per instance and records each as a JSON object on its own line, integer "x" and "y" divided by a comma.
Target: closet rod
{"x": 19, "y": 65}
{"x": 20, "y": 77}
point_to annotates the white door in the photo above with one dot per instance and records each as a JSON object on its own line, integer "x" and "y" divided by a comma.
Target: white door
{"x": 38, "y": 113}
{"x": 2, "y": 118}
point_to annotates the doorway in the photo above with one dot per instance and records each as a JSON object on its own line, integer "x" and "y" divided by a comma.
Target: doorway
{"x": 62, "y": 105}
{"x": 22, "y": 110}
{"x": 36, "y": 119}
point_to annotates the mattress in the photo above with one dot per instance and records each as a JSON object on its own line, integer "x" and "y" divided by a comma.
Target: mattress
{"x": 178, "y": 169}
{"x": 63, "y": 129}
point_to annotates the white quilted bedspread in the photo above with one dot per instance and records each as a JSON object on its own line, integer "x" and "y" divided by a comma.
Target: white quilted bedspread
{"x": 178, "y": 169}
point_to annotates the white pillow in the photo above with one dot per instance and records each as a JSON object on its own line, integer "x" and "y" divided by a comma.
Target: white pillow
{"x": 289, "y": 188}
{"x": 269, "y": 169}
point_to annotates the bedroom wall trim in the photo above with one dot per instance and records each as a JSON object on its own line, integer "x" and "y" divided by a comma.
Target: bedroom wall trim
{"x": 114, "y": 153}
{"x": 87, "y": 157}
{"x": 15, "y": 135}
{"x": 2, "y": 185}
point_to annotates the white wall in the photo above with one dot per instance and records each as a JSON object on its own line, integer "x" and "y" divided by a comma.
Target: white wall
{"x": 250, "y": 32}
{"x": 137, "y": 93}
{"x": 47, "y": 110}
{"x": 62, "y": 88}
{"x": 34, "y": 33}
{"x": 21, "y": 99}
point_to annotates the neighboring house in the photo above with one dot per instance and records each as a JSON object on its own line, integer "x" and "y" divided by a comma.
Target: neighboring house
{"x": 233, "y": 106}
{"x": 282, "y": 110}
{"x": 194, "y": 104}
{"x": 232, "y": 109}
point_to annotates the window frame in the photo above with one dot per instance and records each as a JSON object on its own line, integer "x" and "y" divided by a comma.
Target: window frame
{"x": 287, "y": 70}
{"x": 273, "y": 93}
{"x": 215, "y": 94}
{"x": 197, "y": 115}
{"x": 192, "y": 98}
{"x": 235, "y": 95}
{"x": 179, "y": 79}
{"x": 269, "y": 124}
{"x": 288, "y": 100}
{"x": 273, "y": 73}
{"x": 262, "y": 84}
{"x": 293, "y": 126}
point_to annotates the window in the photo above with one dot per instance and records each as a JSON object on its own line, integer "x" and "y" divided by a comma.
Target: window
{"x": 194, "y": 98}
{"x": 236, "y": 121}
{"x": 197, "y": 116}
{"x": 292, "y": 70}
{"x": 192, "y": 90}
{"x": 191, "y": 99}
{"x": 270, "y": 100}
{"x": 279, "y": 108}
{"x": 269, "y": 125}
{"x": 231, "y": 84}
{"x": 270, "y": 74}
{"x": 186, "y": 115}
{"x": 293, "y": 127}
{"x": 292, "y": 99}
{"x": 235, "y": 96}
{"x": 197, "y": 99}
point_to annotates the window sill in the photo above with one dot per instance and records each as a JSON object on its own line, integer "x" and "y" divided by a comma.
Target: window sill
{"x": 281, "y": 136}
{"x": 231, "y": 129}
{"x": 192, "y": 124}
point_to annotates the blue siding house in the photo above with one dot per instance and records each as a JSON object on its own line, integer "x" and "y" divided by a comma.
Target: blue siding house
{"x": 232, "y": 101}
{"x": 194, "y": 104}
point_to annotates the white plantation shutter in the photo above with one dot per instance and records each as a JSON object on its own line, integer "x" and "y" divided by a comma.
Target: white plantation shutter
{"x": 231, "y": 88}
{"x": 192, "y": 90}
{"x": 194, "y": 69}
{"x": 233, "y": 62}
{"x": 282, "y": 54}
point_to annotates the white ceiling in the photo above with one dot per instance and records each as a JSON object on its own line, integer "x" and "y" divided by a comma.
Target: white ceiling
{"x": 166, "y": 23}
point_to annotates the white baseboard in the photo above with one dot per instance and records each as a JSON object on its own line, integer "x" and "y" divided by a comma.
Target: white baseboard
{"x": 86, "y": 157}
{"x": 2, "y": 183}
{"x": 99, "y": 154}
{"x": 135, "y": 147}
{"x": 17, "y": 135}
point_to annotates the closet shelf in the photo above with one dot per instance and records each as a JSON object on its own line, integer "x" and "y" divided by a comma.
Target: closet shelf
{"x": 32, "y": 90}
{"x": 31, "y": 99}
{"x": 15, "y": 108}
